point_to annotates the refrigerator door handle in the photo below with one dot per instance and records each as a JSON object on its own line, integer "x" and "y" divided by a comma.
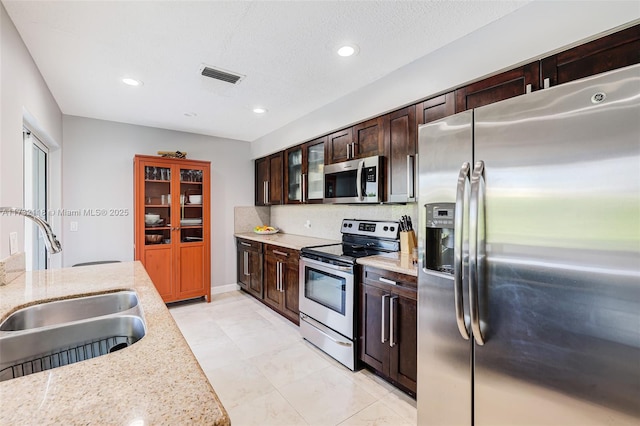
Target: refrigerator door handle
{"x": 463, "y": 178}
{"x": 474, "y": 243}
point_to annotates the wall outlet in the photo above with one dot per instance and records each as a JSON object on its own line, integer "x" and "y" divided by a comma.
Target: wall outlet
{"x": 73, "y": 226}
{"x": 307, "y": 224}
{"x": 13, "y": 243}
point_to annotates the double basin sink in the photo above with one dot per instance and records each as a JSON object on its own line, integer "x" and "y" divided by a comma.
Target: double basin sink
{"x": 53, "y": 334}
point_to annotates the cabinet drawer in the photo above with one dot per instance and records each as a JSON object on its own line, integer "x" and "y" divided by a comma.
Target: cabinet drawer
{"x": 249, "y": 245}
{"x": 283, "y": 253}
{"x": 406, "y": 285}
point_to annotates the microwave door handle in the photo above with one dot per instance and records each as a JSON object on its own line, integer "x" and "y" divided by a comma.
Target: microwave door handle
{"x": 359, "y": 180}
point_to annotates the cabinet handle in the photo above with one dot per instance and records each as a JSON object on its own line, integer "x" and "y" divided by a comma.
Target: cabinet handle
{"x": 278, "y": 276}
{"x": 281, "y": 277}
{"x": 411, "y": 175}
{"x": 304, "y": 176}
{"x": 392, "y": 314}
{"x": 386, "y": 281}
{"x": 383, "y": 321}
{"x": 245, "y": 244}
{"x": 281, "y": 253}
{"x": 267, "y": 192}
{"x": 246, "y": 263}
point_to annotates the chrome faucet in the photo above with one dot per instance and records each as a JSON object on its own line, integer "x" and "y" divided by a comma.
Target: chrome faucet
{"x": 50, "y": 240}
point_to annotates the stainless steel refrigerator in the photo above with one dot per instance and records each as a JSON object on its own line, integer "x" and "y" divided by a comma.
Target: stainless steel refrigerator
{"x": 529, "y": 271}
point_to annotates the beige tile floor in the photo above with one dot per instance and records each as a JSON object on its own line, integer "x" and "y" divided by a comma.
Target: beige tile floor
{"x": 266, "y": 374}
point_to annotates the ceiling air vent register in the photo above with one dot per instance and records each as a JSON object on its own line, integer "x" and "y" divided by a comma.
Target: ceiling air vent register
{"x": 220, "y": 74}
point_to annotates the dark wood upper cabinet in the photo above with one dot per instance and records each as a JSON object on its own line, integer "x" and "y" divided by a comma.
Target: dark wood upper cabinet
{"x": 362, "y": 140}
{"x": 338, "y": 146}
{"x": 401, "y": 143}
{"x": 368, "y": 138}
{"x": 269, "y": 177}
{"x": 436, "y": 108}
{"x": 604, "y": 54}
{"x": 499, "y": 87}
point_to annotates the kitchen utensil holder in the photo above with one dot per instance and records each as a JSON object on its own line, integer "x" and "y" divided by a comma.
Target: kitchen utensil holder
{"x": 407, "y": 242}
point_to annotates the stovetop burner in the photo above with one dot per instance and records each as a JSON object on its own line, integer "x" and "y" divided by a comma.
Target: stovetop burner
{"x": 360, "y": 238}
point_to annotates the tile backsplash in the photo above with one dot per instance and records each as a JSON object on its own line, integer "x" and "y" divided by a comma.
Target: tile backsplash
{"x": 324, "y": 220}
{"x": 247, "y": 218}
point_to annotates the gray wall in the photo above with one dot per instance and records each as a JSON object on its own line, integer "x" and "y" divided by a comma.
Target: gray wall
{"x": 98, "y": 174}
{"x": 24, "y": 95}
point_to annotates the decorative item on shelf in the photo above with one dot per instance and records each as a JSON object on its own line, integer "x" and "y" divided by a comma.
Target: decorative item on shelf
{"x": 151, "y": 219}
{"x": 170, "y": 154}
{"x": 153, "y": 239}
{"x": 265, "y": 230}
{"x": 195, "y": 199}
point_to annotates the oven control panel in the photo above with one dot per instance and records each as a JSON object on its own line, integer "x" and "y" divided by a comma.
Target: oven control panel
{"x": 371, "y": 228}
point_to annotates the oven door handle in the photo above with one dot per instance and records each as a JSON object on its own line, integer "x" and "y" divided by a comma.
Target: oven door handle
{"x": 319, "y": 326}
{"x": 328, "y": 265}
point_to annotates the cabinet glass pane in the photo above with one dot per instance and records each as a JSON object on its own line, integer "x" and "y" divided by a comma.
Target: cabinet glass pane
{"x": 294, "y": 161}
{"x": 315, "y": 171}
{"x": 157, "y": 205}
{"x": 191, "y": 201}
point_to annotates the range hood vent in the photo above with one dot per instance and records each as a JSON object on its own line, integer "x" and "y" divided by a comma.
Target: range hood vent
{"x": 220, "y": 74}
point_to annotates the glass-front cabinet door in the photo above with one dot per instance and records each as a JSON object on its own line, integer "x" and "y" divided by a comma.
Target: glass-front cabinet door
{"x": 304, "y": 172}
{"x": 157, "y": 205}
{"x": 191, "y": 202}
{"x": 294, "y": 174}
{"x": 315, "y": 170}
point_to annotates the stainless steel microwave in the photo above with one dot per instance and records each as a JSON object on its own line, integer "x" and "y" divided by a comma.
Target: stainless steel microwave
{"x": 354, "y": 181}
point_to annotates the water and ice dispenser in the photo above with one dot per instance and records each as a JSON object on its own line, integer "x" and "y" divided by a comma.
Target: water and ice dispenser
{"x": 440, "y": 237}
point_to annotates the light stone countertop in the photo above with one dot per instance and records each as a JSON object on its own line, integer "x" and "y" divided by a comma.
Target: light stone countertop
{"x": 396, "y": 262}
{"x": 155, "y": 381}
{"x": 291, "y": 241}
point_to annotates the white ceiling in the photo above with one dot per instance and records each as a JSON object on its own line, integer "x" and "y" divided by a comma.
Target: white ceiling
{"x": 286, "y": 49}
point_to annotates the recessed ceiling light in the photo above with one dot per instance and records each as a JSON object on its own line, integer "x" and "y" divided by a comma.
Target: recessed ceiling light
{"x": 259, "y": 110}
{"x": 131, "y": 81}
{"x": 348, "y": 50}
{"x": 190, "y": 114}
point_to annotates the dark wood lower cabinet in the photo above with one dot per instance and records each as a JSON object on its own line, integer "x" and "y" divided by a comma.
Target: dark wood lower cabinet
{"x": 281, "y": 288}
{"x": 388, "y": 326}
{"x": 249, "y": 266}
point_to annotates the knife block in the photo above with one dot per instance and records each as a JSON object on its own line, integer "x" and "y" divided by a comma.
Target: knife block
{"x": 408, "y": 242}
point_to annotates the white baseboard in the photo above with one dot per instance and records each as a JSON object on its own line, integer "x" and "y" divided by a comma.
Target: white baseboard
{"x": 224, "y": 288}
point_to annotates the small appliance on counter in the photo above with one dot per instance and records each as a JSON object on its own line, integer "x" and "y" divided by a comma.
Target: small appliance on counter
{"x": 328, "y": 283}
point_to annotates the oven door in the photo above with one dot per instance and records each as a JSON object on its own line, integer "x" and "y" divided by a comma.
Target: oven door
{"x": 327, "y": 294}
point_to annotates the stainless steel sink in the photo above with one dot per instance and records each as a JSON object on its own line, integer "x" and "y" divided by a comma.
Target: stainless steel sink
{"x": 68, "y": 310}
{"x": 55, "y": 334}
{"x": 27, "y": 352}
